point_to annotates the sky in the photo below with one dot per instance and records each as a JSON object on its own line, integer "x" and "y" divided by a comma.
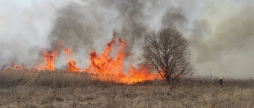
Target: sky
{"x": 24, "y": 24}
{"x": 220, "y": 32}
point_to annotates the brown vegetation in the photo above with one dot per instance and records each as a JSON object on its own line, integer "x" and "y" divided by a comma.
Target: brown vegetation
{"x": 60, "y": 89}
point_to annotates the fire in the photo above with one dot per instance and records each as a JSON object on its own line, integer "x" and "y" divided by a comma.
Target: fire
{"x": 15, "y": 67}
{"x": 109, "y": 68}
{"x": 49, "y": 59}
{"x": 105, "y": 66}
{"x": 38, "y": 67}
{"x": 141, "y": 74}
{"x": 71, "y": 64}
{"x": 18, "y": 67}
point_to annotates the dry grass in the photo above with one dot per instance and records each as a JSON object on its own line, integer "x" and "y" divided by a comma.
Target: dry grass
{"x": 22, "y": 89}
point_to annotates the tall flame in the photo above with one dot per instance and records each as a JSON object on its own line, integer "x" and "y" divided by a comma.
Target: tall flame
{"x": 49, "y": 59}
{"x": 108, "y": 68}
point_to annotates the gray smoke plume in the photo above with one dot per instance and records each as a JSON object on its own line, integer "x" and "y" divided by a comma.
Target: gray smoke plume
{"x": 82, "y": 26}
{"x": 172, "y": 18}
{"x": 75, "y": 27}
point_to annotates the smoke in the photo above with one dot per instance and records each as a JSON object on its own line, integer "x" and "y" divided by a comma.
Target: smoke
{"x": 76, "y": 26}
{"x": 24, "y": 27}
{"x": 220, "y": 32}
{"x": 223, "y": 46}
{"x": 173, "y": 17}
{"x": 88, "y": 26}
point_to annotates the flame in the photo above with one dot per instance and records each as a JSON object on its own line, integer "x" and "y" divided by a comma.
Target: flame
{"x": 49, "y": 59}
{"x": 15, "y": 67}
{"x": 18, "y": 67}
{"x": 108, "y": 68}
{"x": 38, "y": 67}
{"x": 71, "y": 64}
{"x": 105, "y": 66}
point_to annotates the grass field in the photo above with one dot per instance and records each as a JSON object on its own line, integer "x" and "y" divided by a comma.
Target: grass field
{"x": 60, "y": 89}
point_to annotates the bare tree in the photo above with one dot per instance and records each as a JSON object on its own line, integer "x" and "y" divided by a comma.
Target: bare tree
{"x": 167, "y": 51}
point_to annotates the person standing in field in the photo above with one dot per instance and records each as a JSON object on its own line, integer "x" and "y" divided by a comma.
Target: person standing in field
{"x": 220, "y": 81}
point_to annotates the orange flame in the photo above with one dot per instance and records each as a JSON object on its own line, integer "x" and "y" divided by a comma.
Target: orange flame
{"x": 15, "y": 67}
{"x": 111, "y": 69}
{"x": 38, "y": 67}
{"x": 49, "y": 59}
{"x": 18, "y": 67}
{"x": 105, "y": 67}
{"x": 71, "y": 64}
